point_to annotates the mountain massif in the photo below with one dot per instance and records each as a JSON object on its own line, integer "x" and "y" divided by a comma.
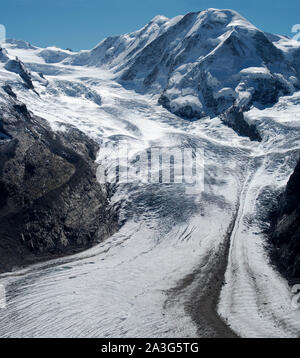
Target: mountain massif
{"x": 201, "y": 64}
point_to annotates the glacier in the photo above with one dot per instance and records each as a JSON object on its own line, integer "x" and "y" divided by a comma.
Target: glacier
{"x": 181, "y": 265}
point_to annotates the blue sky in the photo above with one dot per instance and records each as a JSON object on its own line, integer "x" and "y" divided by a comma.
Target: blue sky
{"x": 81, "y": 24}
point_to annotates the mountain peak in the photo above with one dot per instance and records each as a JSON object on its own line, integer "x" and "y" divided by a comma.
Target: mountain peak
{"x": 159, "y": 19}
{"x": 223, "y": 17}
{"x": 20, "y": 44}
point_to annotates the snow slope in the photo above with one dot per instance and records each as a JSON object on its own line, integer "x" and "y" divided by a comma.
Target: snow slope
{"x": 123, "y": 286}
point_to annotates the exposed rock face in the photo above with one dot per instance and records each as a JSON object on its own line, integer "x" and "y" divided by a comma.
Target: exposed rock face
{"x": 286, "y": 229}
{"x": 18, "y": 67}
{"x": 50, "y": 201}
{"x": 234, "y": 118}
{"x": 3, "y": 55}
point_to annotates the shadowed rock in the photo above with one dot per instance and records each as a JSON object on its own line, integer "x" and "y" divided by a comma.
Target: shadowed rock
{"x": 285, "y": 233}
{"x": 50, "y": 201}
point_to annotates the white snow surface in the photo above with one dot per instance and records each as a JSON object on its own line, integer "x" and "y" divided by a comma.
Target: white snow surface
{"x": 119, "y": 287}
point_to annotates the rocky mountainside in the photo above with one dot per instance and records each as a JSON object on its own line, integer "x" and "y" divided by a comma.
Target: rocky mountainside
{"x": 50, "y": 202}
{"x": 286, "y": 229}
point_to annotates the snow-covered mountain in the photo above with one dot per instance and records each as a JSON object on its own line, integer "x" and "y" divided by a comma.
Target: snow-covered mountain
{"x": 181, "y": 264}
{"x": 200, "y": 64}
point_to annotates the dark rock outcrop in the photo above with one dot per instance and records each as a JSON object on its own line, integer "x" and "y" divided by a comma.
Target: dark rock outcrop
{"x": 18, "y": 67}
{"x": 50, "y": 201}
{"x": 285, "y": 232}
{"x": 3, "y": 55}
{"x": 234, "y": 118}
